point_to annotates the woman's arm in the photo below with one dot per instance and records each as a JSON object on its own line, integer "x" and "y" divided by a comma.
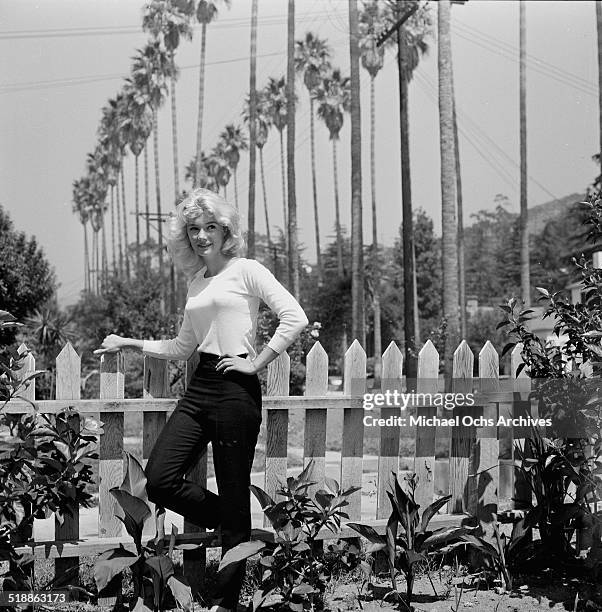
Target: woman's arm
{"x": 113, "y": 343}
{"x": 180, "y": 347}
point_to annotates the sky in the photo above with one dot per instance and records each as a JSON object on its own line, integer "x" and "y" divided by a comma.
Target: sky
{"x": 63, "y": 59}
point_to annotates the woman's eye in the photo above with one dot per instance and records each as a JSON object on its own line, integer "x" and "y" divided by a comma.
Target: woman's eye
{"x": 211, "y": 228}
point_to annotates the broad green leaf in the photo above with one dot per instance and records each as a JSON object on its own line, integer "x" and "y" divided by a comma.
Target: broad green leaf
{"x": 303, "y": 589}
{"x": 134, "y": 480}
{"x": 431, "y": 510}
{"x": 262, "y": 497}
{"x": 111, "y": 563}
{"x": 181, "y": 591}
{"x": 240, "y": 552}
{"x": 368, "y": 532}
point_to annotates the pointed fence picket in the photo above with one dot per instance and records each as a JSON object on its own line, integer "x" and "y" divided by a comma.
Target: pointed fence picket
{"x": 388, "y": 460}
{"x": 476, "y": 477}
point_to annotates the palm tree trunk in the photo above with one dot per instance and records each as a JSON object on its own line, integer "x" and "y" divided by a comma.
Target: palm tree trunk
{"x": 378, "y": 349}
{"x": 315, "y": 189}
{"x": 460, "y": 212}
{"x": 146, "y": 194}
{"x": 449, "y": 255}
{"x": 337, "y": 213}
{"x": 174, "y": 133}
{"x": 96, "y": 261}
{"x": 235, "y": 187}
{"x": 137, "y": 194}
{"x": 410, "y": 314}
{"x": 113, "y": 246}
{"x": 252, "y": 132}
{"x": 265, "y": 208}
{"x": 86, "y": 259}
{"x": 125, "y": 226}
{"x": 283, "y": 172}
{"x": 119, "y": 232}
{"x": 104, "y": 254}
{"x": 599, "y": 30}
{"x": 524, "y": 229}
{"x": 293, "y": 254}
{"x": 158, "y": 187}
{"x": 199, "y": 128}
{"x": 358, "y": 330}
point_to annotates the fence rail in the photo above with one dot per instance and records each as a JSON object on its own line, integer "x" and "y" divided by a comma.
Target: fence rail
{"x": 475, "y": 475}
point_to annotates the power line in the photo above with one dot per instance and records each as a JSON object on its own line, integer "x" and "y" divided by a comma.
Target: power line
{"x": 269, "y": 20}
{"x": 487, "y": 38}
{"x": 84, "y": 80}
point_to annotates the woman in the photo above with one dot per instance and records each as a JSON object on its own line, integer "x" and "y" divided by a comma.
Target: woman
{"x": 222, "y": 403}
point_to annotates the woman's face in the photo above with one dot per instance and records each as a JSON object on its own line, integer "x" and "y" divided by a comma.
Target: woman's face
{"x": 206, "y": 235}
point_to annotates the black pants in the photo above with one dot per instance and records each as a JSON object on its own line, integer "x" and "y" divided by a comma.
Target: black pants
{"x": 224, "y": 409}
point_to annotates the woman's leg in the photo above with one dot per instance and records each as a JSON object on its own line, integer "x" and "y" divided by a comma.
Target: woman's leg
{"x": 236, "y": 430}
{"x": 179, "y": 445}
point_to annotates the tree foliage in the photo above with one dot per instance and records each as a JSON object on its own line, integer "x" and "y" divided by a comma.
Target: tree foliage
{"x": 27, "y": 279}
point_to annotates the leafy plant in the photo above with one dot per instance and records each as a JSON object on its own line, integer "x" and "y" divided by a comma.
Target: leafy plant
{"x": 44, "y": 466}
{"x": 152, "y": 566}
{"x": 564, "y": 470}
{"x": 405, "y": 550}
{"x": 294, "y": 570}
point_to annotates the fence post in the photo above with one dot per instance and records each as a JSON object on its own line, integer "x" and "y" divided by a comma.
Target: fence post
{"x": 155, "y": 384}
{"x": 352, "y": 451}
{"x": 195, "y": 561}
{"x": 110, "y": 464}
{"x": 276, "y": 427}
{"x": 424, "y": 458}
{"x": 388, "y": 460}
{"x": 462, "y": 436}
{"x": 486, "y": 467}
{"x": 314, "y": 439}
{"x": 68, "y": 386}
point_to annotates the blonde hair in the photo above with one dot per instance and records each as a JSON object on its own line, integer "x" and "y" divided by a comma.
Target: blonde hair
{"x": 201, "y": 201}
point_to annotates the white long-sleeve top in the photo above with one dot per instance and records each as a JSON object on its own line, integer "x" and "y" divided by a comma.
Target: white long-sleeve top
{"x": 220, "y": 316}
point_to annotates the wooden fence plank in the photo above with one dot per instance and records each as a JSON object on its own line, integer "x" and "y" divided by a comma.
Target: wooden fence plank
{"x": 352, "y": 451}
{"x": 68, "y": 377}
{"x": 486, "y": 467}
{"x": 424, "y": 458}
{"x": 110, "y": 451}
{"x": 314, "y": 438}
{"x": 156, "y": 384}
{"x": 462, "y": 436}
{"x": 276, "y": 426}
{"x": 388, "y": 460}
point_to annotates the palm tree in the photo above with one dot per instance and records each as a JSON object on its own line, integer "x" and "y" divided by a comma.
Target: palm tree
{"x": 137, "y": 126}
{"x": 206, "y": 12}
{"x": 358, "y": 330}
{"x": 599, "y": 34}
{"x": 218, "y": 167}
{"x": 449, "y": 252}
{"x": 373, "y": 21}
{"x": 312, "y": 60}
{"x": 167, "y": 22}
{"x": 233, "y": 141}
{"x": 150, "y": 70}
{"x": 334, "y": 99}
{"x": 524, "y": 228}
{"x": 275, "y": 93}
{"x": 263, "y": 122}
{"x": 80, "y": 207}
{"x": 113, "y": 140}
{"x": 293, "y": 254}
{"x": 411, "y": 44}
{"x": 252, "y": 131}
